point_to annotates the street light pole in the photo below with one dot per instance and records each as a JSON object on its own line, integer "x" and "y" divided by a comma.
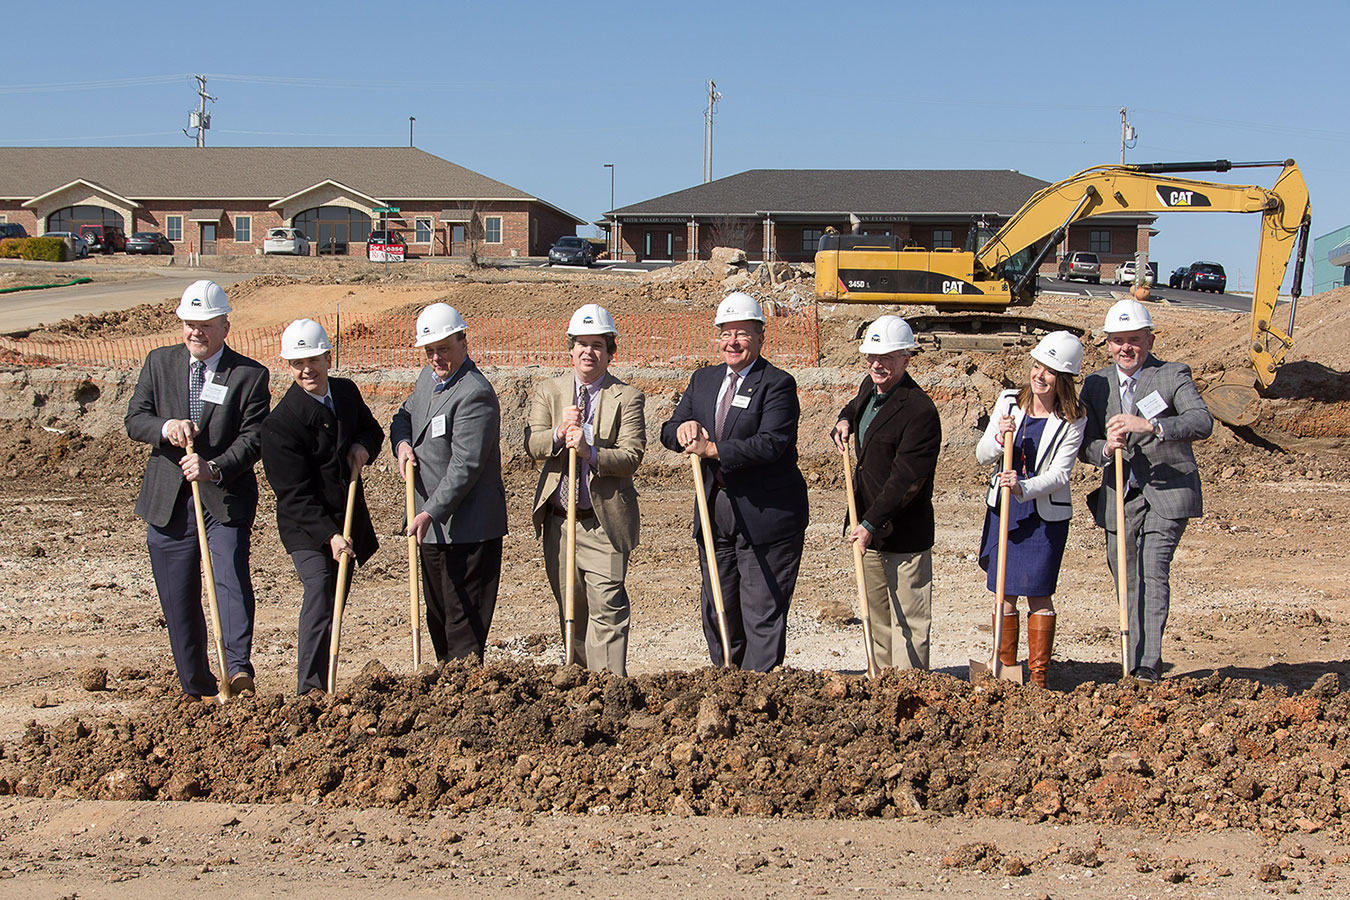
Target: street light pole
{"x": 614, "y": 238}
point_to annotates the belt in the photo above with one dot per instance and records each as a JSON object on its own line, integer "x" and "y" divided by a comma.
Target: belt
{"x": 582, "y": 514}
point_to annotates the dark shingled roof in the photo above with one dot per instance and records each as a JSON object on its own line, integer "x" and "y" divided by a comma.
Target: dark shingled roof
{"x": 842, "y": 191}
{"x": 269, "y": 173}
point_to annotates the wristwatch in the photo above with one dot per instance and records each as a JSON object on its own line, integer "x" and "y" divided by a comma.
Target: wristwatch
{"x": 213, "y": 469}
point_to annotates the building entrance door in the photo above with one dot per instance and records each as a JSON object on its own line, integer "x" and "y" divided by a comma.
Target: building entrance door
{"x": 208, "y": 239}
{"x": 659, "y": 245}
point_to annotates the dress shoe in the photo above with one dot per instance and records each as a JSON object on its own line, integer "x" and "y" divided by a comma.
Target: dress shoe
{"x": 211, "y": 699}
{"x": 241, "y": 683}
{"x": 1146, "y": 674}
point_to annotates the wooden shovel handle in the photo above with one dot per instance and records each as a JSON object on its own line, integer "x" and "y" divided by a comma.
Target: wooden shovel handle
{"x": 209, "y": 576}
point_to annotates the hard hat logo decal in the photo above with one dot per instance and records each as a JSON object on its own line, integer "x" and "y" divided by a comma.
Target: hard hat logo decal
{"x": 589, "y": 320}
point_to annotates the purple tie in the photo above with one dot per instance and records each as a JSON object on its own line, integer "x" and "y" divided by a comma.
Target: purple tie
{"x": 725, "y": 406}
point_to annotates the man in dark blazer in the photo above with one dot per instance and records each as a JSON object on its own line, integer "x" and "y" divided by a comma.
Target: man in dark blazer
{"x": 318, "y": 438}
{"x": 1152, "y": 411}
{"x": 450, "y": 428}
{"x": 741, "y": 418}
{"x": 206, "y": 394}
{"x": 898, "y": 436}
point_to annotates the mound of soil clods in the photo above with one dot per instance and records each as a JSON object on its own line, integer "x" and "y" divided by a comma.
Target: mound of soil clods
{"x": 1186, "y": 753}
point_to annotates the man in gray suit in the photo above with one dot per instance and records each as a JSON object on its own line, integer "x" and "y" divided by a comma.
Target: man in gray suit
{"x": 204, "y": 393}
{"x": 1152, "y": 411}
{"x": 450, "y": 428}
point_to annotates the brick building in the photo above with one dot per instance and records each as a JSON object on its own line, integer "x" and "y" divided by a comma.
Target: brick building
{"x": 787, "y": 210}
{"x": 222, "y": 200}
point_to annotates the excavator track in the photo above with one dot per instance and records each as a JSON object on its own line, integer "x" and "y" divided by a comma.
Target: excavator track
{"x": 984, "y": 332}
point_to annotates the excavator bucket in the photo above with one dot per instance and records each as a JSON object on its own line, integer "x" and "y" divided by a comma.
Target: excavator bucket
{"x": 1233, "y": 399}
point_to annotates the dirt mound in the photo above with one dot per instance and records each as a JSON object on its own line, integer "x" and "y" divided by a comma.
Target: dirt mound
{"x": 1188, "y": 753}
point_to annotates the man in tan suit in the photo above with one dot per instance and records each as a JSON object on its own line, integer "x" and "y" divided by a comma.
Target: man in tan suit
{"x": 602, "y": 418}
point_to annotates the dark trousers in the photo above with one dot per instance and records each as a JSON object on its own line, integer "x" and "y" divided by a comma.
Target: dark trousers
{"x": 176, "y": 562}
{"x": 460, "y": 583}
{"x": 318, "y": 573}
{"x": 757, "y": 583}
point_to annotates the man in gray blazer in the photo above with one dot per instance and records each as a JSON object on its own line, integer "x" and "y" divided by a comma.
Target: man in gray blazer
{"x": 450, "y": 428}
{"x": 205, "y": 393}
{"x": 1152, "y": 411}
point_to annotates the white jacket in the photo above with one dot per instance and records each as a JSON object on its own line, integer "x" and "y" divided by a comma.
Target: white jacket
{"x": 1055, "y": 456}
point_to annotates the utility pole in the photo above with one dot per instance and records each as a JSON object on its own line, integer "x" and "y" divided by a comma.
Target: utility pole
{"x": 1127, "y": 136}
{"x": 199, "y": 118}
{"x": 713, "y": 97}
{"x": 614, "y": 244}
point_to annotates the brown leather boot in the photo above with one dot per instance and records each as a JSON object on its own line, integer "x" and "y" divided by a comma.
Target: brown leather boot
{"x": 1007, "y": 649}
{"x": 1040, "y": 640}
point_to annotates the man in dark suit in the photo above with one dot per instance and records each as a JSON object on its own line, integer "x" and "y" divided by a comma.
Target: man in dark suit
{"x": 741, "y": 418}
{"x": 898, "y": 436}
{"x": 451, "y": 430}
{"x": 318, "y": 438}
{"x": 209, "y": 395}
{"x": 1152, "y": 411}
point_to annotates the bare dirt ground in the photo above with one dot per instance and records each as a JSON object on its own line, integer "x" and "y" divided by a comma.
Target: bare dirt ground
{"x": 524, "y": 779}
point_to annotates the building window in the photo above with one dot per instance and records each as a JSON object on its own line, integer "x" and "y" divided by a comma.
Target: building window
{"x": 173, "y": 228}
{"x": 811, "y": 239}
{"x": 73, "y": 218}
{"x": 422, "y": 227}
{"x": 243, "y": 229}
{"x": 942, "y": 239}
{"x": 492, "y": 229}
{"x": 457, "y": 234}
{"x": 331, "y": 228}
{"x": 1099, "y": 241}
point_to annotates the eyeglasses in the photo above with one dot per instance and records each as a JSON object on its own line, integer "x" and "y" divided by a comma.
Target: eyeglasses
{"x": 737, "y": 335}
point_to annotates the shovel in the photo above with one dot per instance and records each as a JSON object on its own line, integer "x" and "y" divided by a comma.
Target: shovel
{"x": 209, "y": 576}
{"x": 340, "y": 600}
{"x": 570, "y": 594}
{"x": 872, "y": 671}
{"x": 414, "y": 571}
{"x": 994, "y": 668}
{"x": 709, "y": 551}
{"x": 1122, "y": 582}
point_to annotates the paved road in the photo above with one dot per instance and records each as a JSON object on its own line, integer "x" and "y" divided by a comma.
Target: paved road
{"x": 1238, "y": 303}
{"x": 26, "y": 310}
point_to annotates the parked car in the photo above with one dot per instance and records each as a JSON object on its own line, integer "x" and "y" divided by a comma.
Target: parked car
{"x": 12, "y": 230}
{"x": 1204, "y": 276}
{"x": 1174, "y": 280}
{"x": 290, "y": 241}
{"x": 149, "y": 242}
{"x": 1125, "y": 273}
{"x": 571, "y": 251}
{"x": 386, "y": 246}
{"x": 1081, "y": 264}
{"x": 79, "y": 247}
{"x": 104, "y": 238}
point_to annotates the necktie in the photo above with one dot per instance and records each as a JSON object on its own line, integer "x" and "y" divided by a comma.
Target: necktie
{"x": 195, "y": 384}
{"x": 1127, "y": 396}
{"x": 328, "y": 402}
{"x": 440, "y": 386}
{"x": 725, "y": 406}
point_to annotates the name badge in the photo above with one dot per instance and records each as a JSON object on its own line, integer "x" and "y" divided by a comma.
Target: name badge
{"x": 588, "y": 433}
{"x": 213, "y": 393}
{"x": 1150, "y": 406}
{"x": 438, "y": 426}
{"x": 740, "y": 401}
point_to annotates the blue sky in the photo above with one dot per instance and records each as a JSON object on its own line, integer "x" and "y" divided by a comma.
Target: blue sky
{"x": 541, "y": 95}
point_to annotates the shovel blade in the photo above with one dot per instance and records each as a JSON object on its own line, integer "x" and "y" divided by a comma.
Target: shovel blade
{"x": 983, "y": 668}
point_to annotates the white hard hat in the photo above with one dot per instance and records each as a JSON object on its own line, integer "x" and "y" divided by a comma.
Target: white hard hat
{"x": 886, "y": 334}
{"x": 304, "y": 338}
{"x": 437, "y": 322}
{"x": 591, "y": 318}
{"x": 202, "y": 300}
{"x": 1061, "y": 351}
{"x": 1127, "y": 315}
{"x": 738, "y": 307}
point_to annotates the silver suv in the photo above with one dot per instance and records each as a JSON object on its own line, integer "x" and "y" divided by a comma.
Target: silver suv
{"x": 1081, "y": 264}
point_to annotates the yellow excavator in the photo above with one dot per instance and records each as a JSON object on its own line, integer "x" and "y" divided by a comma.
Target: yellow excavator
{"x": 1002, "y": 272}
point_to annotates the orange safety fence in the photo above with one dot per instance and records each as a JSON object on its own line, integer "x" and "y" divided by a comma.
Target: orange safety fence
{"x": 376, "y": 342}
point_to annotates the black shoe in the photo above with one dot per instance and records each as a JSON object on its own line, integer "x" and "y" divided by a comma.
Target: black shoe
{"x": 1145, "y": 674}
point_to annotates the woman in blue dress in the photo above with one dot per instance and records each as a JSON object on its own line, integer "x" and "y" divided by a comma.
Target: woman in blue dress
{"x": 1044, "y": 420}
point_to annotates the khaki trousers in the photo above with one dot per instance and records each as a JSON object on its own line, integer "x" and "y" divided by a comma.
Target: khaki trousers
{"x": 899, "y": 606}
{"x": 600, "y": 629}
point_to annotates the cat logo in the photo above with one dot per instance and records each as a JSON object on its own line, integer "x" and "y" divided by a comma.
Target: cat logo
{"x": 952, "y": 287}
{"x": 1178, "y": 199}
